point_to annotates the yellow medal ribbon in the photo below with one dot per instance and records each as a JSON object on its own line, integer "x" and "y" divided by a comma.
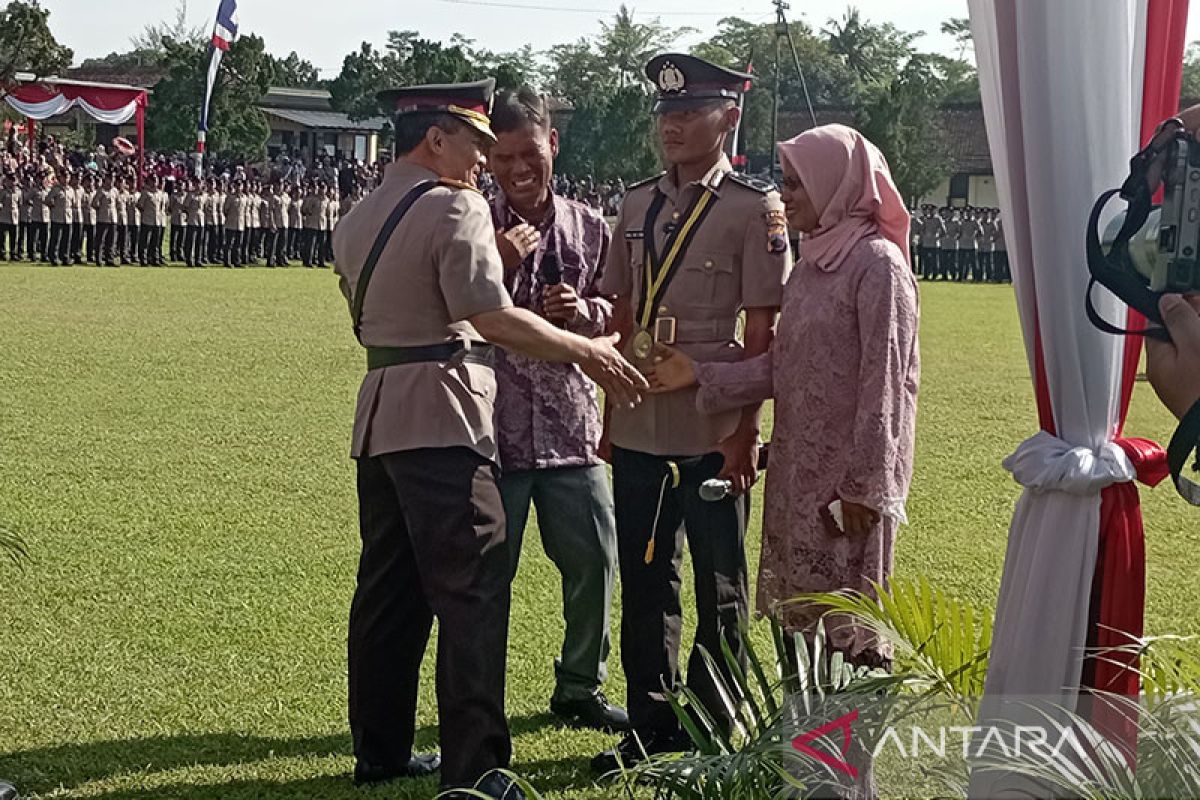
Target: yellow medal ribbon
{"x": 654, "y": 282}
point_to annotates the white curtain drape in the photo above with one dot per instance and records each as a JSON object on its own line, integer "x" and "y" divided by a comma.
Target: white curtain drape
{"x": 1061, "y": 83}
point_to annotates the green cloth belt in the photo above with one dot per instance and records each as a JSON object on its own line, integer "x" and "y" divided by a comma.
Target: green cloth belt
{"x": 458, "y": 352}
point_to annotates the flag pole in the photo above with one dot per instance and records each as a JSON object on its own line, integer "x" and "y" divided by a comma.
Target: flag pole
{"x": 225, "y": 31}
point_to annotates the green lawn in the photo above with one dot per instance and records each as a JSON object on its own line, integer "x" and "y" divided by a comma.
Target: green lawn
{"x": 174, "y": 448}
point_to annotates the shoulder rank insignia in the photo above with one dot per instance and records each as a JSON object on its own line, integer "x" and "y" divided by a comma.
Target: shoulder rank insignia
{"x": 755, "y": 184}
{"x": 645, "y": 181}
{"x": 777, "y": 238}
{"x": 453, "y": 184}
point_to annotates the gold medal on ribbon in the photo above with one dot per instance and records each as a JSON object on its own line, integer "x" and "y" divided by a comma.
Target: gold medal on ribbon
{"x": 643, "y": 345}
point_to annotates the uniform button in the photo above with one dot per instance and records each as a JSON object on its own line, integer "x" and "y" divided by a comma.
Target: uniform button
{"x": 708, "y": 264}
{"x": 675, "y": 215}
{"x": 663, "y": 310}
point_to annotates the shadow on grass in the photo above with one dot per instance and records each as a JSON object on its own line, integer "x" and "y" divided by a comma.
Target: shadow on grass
{"x": 67, "y": 766}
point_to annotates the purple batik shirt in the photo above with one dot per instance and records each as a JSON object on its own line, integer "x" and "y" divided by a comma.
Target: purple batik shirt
{"x": 548, "y": 415}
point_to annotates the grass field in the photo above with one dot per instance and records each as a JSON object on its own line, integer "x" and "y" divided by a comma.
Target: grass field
{"x": 174, "y": 448}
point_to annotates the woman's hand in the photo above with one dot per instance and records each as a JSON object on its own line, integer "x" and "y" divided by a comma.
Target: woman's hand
{"x": 858, "y": 520}
{"x": 671, "y": 372}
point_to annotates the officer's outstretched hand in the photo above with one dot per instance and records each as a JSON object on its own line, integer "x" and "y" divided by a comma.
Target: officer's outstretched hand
{"x": 1174, "y": 367}
{"x": 622, "y": 383}
{"x": 671, "y": 372}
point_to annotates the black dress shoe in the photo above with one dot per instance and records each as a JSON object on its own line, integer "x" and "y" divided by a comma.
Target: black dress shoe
{"x": 591, "y": 712}
{"x": 8, "y": 791}
{"x": 631, "y": 751}
{"x": 419, "y": 766}
{"x": 495, "y": 785}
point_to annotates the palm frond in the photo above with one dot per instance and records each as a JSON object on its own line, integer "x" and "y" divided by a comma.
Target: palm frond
{"x": 1079, "y": 761}
{"x": 943, "y": 641}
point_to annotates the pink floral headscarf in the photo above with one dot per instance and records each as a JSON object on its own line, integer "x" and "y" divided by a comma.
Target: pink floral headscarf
{"x": 851, "y": 187}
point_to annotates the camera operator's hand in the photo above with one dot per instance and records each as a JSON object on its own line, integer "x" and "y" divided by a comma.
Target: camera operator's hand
{"x": 622, "y": 383}
{"x": 1174, "y": 367}
{"x": 1191, "y": 119}
{"x": 516, "y": 243}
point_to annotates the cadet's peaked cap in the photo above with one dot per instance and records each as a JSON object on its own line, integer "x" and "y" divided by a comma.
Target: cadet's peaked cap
{"x": 470, "y": 102}
{"x": 684, "y": 80}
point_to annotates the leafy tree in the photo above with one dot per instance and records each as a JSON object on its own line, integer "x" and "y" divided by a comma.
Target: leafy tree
{"x": 237, "y": 127}
{"x": 874, "y": 52}
{"x": 626, "y": 45}
{"x": 611, "y": 137}
{"x": 577, "y": 72}
{"x": 1191, "y": 72}
{"x": 960, "y": 29}
{"x": 406, "y": 60}
{"x": 739, "y": 43}
{"x": 364, "y": 72}
{"x": 903, "y": 121}
{"x": 294, "y": 72}
{"x": 177, "y": 30}
{"x": 26, "y": 43}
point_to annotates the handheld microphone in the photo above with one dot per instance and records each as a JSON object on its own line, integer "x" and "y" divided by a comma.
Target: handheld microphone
{"x": 715, "y": 490}
{"x": 551, "y": 273}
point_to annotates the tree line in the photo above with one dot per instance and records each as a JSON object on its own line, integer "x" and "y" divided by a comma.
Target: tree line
{"x": 890, "y": 87}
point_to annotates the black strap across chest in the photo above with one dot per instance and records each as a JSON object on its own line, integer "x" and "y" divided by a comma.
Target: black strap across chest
{"x": 385, "y": 233}
{"x": 686, "y": 227}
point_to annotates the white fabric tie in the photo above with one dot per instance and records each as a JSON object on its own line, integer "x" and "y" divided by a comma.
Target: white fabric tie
{"x": 1046, "y": 463}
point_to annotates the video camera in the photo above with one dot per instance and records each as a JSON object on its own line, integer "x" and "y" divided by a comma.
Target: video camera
{"x": 1150, "y": 250}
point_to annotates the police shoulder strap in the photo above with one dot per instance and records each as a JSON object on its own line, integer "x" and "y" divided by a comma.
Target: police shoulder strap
{"x": 385, "y": 233}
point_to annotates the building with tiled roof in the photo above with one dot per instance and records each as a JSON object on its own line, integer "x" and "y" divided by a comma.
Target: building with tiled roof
{"x": 971, "y": 181}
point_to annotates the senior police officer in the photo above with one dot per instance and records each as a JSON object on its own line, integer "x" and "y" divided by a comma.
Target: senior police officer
{"x": 693, "y": 249}
{"x": 420, "y": 268}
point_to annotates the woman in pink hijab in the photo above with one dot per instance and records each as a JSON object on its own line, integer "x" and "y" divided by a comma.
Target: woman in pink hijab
{"x": 843, "y": 372}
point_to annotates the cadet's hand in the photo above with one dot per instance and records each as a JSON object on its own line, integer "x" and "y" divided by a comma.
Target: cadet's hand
{"x": 740, "y": 452}
{"x": 1174, "y": 367}
{"x": 516, "y": 243}
{"x": 562, "y": 303}
{"x": 858, "y": 520}
{"x": 671, "y": 372}
{"x": 622, "y": 383}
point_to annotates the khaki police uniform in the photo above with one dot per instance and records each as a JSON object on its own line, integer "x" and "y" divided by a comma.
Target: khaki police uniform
{"x": 11, "y": 198}
{"x": 278, "y": 205}
{"x": 930, "y": 229}
{"x": 155, "y": 209}
{"x": 432, "y": 521}
{"x": 295, "y": 225}
{"x": 731, "y": 264}
{"x": 61, "y": 200}
{"x": 315, "y": 222}
{"x": 233, "y": 210}
{"x": 948, "y": 247}
{"x": 195, "y": 204}
{"x": 105, "y": 204}
{"x": 969, "y": 231}
{"x": 215, "y": 225}
{"x": 133, "y": 239}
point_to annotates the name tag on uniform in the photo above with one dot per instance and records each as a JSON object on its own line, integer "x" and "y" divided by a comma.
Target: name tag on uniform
{"x": 634, "y": 236}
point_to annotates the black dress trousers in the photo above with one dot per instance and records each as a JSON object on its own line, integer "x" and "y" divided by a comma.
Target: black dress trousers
{"x": 432, "y": 526}
{"x": 651, "y": 614}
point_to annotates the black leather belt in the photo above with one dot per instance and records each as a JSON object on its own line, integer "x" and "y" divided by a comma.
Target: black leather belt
{"x": 448, "y": 352}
